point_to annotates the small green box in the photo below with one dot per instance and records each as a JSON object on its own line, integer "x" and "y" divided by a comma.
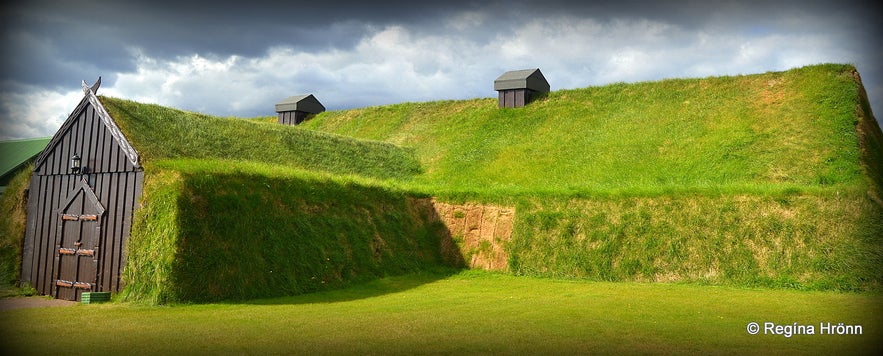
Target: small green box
{"x": 94, "y": 297}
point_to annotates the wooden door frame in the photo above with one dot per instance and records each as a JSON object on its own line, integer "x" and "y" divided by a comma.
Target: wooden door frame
{"x": 89, "y": 195}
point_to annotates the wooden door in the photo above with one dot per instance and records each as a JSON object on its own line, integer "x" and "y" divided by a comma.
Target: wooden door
{"x": 77, "y": 244}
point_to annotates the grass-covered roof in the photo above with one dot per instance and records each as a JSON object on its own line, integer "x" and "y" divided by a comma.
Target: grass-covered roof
{"x": 162, "y": 133}
{"x": 765, "y": 132}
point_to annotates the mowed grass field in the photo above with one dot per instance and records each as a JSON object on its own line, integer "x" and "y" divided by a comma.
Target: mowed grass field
{"x": 468, "y": 312}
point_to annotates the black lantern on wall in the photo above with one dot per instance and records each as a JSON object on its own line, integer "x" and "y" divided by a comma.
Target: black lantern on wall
{"x": 76, "y": 162}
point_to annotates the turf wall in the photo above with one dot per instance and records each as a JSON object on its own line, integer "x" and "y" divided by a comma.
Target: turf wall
{"x": 805, "y": 241}
{"x": 208, "y": 235}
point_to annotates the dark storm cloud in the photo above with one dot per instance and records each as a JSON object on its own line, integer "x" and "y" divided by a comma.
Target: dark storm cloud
{"x": 56, "y": 42}
{"x": 234, "y": 57}
{"x": 60, "y": 41}
{"x": 167, "y": 28}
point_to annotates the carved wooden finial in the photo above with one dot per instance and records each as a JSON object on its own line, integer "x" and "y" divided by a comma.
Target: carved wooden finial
{"x": 94, "y": 88}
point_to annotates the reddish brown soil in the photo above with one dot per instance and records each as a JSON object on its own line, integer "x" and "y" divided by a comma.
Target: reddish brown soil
{"x": 481, "y": 232}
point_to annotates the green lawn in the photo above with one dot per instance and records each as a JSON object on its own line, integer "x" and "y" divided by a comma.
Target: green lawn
{"x": 466, "y": 312}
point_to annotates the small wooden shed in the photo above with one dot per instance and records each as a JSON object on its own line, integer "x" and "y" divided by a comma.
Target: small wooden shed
{"x": 517, "y": 88}
{"x": 296, "y": 109}
{"x": 82, "y": 195}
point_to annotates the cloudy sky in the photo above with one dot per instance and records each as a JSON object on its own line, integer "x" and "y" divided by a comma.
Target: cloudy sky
{"x": 240, "y": 57}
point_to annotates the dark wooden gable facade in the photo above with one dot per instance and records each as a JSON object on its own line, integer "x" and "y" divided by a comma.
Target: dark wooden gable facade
{"x": 79, "y": 219}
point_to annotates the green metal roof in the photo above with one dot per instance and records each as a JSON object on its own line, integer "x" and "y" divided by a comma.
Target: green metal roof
{"x": 15, "y": 153}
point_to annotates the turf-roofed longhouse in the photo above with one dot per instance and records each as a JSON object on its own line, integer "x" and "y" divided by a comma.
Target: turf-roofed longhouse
{"x": 769, "y": 179}
{"x": 95, "y": 175}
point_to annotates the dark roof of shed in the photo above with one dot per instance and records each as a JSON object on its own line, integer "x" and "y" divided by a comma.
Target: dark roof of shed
{"x": 306, "y": 103}
{"x": 531, "y": 79}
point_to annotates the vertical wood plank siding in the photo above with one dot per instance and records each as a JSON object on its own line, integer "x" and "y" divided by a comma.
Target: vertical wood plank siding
{"x": 292, "y": 117}
{"x": 514, "y": 98}
{"x": 116, "y": 182}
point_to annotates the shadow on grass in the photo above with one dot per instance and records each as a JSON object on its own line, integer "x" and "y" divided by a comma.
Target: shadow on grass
{"x": 365, "y": 290}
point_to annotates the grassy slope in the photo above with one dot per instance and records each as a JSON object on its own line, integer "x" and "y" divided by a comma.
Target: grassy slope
{"x": 164, "y": 133}
{"x": 767, "y": 132}
{"x": 747, "y": 180}
{"x": 467, "y": 313}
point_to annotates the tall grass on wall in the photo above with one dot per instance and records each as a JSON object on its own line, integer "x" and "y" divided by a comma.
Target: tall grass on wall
{"x": 823, "y": 242}
{"x": 233, "y": 231}
{"x": 13, "y": 218}
{"x": 152, "y": 247}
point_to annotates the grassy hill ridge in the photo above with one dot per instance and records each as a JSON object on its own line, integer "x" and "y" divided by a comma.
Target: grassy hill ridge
{"x": 160, "y": 133}
{"x": 775, "y": 131}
